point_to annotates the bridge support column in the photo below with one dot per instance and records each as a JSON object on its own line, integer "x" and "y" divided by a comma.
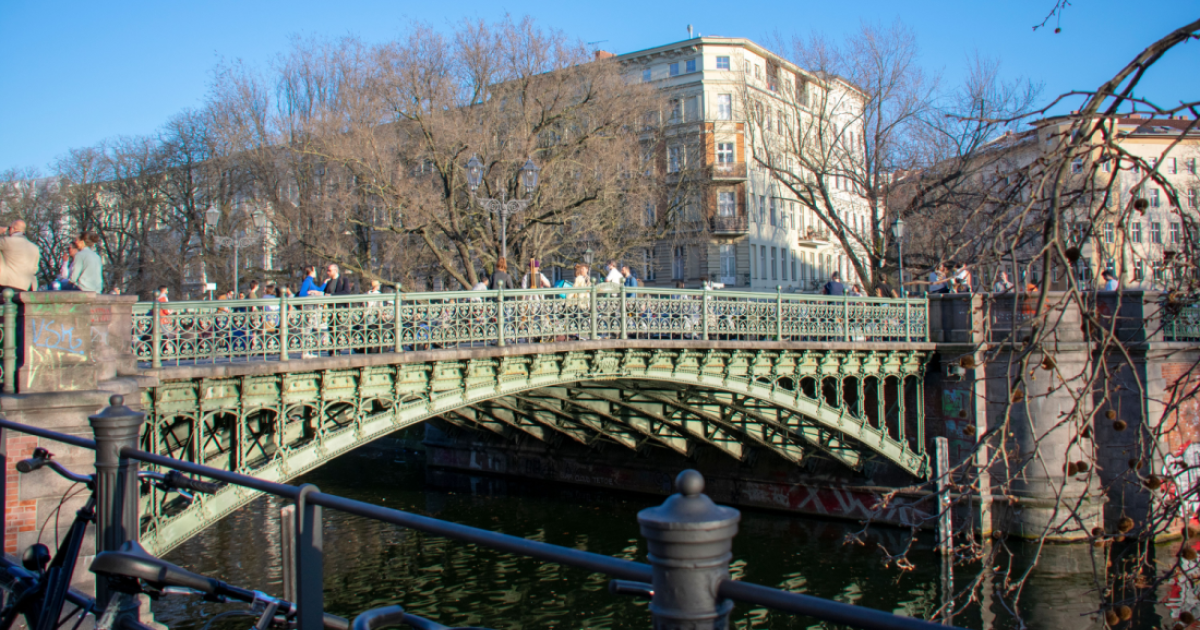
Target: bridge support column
{"x": 72, "y": 352}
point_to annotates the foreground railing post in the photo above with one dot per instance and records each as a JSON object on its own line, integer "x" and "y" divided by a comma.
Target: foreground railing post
{"x": 689, "y": 539}
{"x": 778, "y": 312}
{"x": 595, "y": 313}
{"x": 704, "y": 314}
{"x": 309, "y": 563}
{"x": 116, "y": 485}
{"x": 624, "y": 315}
{"x": 10, "y": 343}
{"x": 283, "y": 328}
{"x": 500, "y": 313}
{"x": 398, "y": 333}
{"x": 907, "y": 322}
{"x": 156, "y": 336}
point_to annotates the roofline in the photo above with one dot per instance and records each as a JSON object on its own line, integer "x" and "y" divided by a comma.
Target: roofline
{"x": 743, "y": 42}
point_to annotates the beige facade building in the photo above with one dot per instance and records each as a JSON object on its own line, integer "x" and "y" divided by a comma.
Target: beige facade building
{"x": 727, "y": 219}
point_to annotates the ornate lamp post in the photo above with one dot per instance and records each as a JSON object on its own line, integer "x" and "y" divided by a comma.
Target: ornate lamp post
{"x": 503, "y": 207}
{"x": 236, "y": 241}
{"x": 898, "y": 233}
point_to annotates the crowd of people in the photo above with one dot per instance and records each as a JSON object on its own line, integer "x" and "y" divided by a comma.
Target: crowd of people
{"x": 81, "y": 268}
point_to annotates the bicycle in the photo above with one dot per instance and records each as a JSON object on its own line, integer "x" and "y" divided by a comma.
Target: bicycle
{"x": 132, "y": 570}
{"x": 40, "y": 586}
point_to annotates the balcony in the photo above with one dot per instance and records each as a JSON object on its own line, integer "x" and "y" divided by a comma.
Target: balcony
{"x": 729, "y": 225}
{"x": 728, "y": 171}
{"x": 815, "y": 239}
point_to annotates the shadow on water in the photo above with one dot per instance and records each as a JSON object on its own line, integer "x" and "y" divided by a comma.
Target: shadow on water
{"x": 371, "y": 564}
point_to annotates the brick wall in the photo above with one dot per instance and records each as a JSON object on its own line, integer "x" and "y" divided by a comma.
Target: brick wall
{"x": 20, "y": 515}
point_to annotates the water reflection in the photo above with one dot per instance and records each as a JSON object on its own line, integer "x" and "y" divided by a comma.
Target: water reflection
{"x": 370, "y": 564}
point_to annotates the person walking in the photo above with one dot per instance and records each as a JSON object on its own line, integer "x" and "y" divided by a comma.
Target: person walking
{"x": 614, "y": 273}
{"x": 500, "y": 277}
{"x": 834, "y": 286}
{"x": 310, "y": 288}
{"x": 18, "y": 259}
{"x": 534, "y": 278}
{"x": 87, "y": 270}
{"x": 1002, "y": 283}
{"x": 1110, "y": 280}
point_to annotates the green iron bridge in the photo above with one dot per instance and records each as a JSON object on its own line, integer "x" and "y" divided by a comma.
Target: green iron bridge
{"x": 275, "y": 388}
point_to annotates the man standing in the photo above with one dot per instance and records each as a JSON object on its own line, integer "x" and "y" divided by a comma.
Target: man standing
{"x": 18, "y": 259}
{"x": 834, "y": 286}
{"x": 614, "y": 274}
{"x": 337, "y": 284}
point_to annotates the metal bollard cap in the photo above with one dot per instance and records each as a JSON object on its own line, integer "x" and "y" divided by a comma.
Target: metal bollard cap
{"x": 689, "y": 509}
{"x": 117, "y": 413}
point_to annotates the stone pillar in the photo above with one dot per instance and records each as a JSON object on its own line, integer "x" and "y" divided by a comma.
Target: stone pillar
{"x": 74, "y": 351}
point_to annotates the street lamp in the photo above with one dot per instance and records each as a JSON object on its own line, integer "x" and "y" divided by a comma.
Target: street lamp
{"x": 898, "y": 233}
{"x": 503, "y": 207}
{"x": 236, "y": 241}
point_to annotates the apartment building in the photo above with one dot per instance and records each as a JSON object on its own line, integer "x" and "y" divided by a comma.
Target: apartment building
{"x": 732, "y": 220}
{"x": 1135, "y": 203}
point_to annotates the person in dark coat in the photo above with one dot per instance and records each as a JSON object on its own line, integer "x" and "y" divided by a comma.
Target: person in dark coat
{"x": 834, "y": 286}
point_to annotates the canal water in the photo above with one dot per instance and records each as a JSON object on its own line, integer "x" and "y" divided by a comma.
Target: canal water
{"x": 370, "y": 564}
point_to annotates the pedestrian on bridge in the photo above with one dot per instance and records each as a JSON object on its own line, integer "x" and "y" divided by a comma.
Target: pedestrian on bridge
{"x": 834, "y": 286}
{"x": 18, "y": 259}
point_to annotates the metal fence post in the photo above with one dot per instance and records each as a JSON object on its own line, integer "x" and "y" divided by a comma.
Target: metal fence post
{"x": 309, "y": 563}
{"x": 846, "y": 314}
{"x": 945, "y": 531}
{"x": 704, "y": 306}
{"x": 116, "y": 485}
{"x": 283, "y": 328}
{"x": 399, "y": 332}
{"x": 907, "y": 322}
{"x": 595, "y": 313}
{"x": 156, "y": 336}
{"x": 500, "y": 313}
{"x": 624, "y": 315}
{"x": 10, "y": 343}
{"x": 689, "y": 539}
{"x": 778, "y": 312}
{"x": 287, "y": 550}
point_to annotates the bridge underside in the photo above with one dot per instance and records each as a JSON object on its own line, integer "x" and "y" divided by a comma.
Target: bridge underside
{"x": 846, "y": 405}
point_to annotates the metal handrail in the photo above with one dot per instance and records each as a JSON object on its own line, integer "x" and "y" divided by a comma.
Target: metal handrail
{"x": 281, "y": 329}
{"x": 308, "y": 556}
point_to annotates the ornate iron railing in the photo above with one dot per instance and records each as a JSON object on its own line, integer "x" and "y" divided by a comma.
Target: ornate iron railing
{"x": 1183, "y": 325}
{"x": 687, "y": 580}
{"x": 288, "y": 328}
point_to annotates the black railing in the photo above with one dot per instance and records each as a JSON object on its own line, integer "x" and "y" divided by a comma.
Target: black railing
{"x": 727, "y": 225}
{"x": 689, "y": 538}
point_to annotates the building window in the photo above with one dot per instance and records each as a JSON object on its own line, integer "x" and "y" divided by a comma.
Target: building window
{"x": 747, "y": 67}
{"x": 726, "y": 204}
{"x": 1139, "y": 270}
{"x": 1083, "y": 272}
{"x": 1106, "y": 166}
{"x": 1190, "y": 166}
{"x": 676, "y": 110}
{"x": 762, "y": 210}
{"x": 728, "y": 262}
{"x": 1077, "y": 165}
{"x": 722, "y": 63}
{"x": 679, "y": 265}
{"x": 1135, "y": 232}
{"x": 1192, "y": 198}
{"x": 762, "y": 261}
{"x": 772, "y": 218}
{"x": 691, "y": 65}
{"x": 1154, "y": 198}
{"x": 1174, "y": 233}
{"x": 724, "y": 107}
{"x": 1172, "y": 166}
{"x": 651, "y": 213}
{"x": 1108, "y": 232}
{"x": 793, "y": 266}
{"x": 724, "y": 153}
{"x": 1156, "y": 233}
{"x": 674, "y": 69}
{"x": 774, "y": 268}
{"x": 757, "y": 71}
{"x": 674, "y": 159}
{"x": 646, "y": 75}
{"x": 752, "y": 262}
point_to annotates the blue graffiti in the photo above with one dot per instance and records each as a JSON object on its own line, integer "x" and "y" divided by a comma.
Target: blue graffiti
{"x": 47, "y": 335}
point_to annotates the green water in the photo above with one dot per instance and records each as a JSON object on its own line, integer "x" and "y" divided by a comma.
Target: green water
{"x": 369, "y": 564}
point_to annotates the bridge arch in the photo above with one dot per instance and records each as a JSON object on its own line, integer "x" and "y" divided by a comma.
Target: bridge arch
{"x": 279, "y": 426}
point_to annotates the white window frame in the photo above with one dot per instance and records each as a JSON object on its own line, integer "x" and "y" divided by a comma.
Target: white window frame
{"x": 674, "y": 159}
{"x": 725, "y": 153}
{"x": 724, "y": 107}
{"x": 726, "y": 204}
{"x": 723, "y": 63}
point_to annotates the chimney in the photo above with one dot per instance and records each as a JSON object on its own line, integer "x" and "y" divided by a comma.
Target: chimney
{"x": 604, "y": 54}
{"x": 689, "y": 31}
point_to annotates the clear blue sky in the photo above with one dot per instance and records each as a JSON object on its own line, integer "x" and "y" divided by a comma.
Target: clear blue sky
{"x": 76, "y": 72}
